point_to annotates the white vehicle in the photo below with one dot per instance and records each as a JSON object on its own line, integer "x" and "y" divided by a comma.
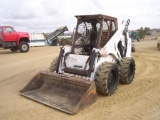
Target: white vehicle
{"x": 37, "y": 39}
{"x": 99, "y": 58}
{"x": 37, "y": 43}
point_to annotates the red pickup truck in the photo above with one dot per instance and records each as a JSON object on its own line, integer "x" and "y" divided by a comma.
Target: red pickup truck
{"x": 10, "y": 39}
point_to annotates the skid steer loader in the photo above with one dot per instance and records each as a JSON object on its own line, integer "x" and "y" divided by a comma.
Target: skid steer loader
{"x": 99, "y": 58}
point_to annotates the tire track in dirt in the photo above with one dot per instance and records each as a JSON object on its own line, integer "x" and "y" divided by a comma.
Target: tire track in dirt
{"x": 147, "y": 107}
{"x": 144, "y": 83}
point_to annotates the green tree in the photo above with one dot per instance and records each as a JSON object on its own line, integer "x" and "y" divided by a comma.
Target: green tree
{"x": 141, "y": 33}
{"x": 147, "y": 31}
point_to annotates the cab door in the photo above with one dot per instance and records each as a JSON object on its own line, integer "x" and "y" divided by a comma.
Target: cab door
{"x": 10, "y": 34}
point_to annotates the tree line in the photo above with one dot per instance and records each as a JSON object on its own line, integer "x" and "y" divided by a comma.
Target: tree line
{"x": 142, "y": 32}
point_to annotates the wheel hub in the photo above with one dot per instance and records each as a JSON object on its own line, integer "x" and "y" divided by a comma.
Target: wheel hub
{"x": 24, "y": 47}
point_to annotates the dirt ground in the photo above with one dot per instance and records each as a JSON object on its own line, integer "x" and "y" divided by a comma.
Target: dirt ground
{"x": 137, "y": 101}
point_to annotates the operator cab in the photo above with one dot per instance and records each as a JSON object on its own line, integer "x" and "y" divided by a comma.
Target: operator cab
{"x": 93, "y": 31}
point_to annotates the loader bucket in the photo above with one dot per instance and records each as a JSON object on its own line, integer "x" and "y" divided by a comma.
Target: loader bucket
{"x": 68, "y": 94}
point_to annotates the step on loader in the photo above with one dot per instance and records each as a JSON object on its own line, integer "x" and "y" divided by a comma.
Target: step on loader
{"x": 97, "y": 61}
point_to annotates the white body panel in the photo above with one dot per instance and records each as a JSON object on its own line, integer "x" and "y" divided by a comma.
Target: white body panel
{"x": 112, "y": 45}
{"x": 37, "y": 39}
{"x": 37, "y": 36}
{"x": 76, "y": 61}
{"x": 36, "y": 44}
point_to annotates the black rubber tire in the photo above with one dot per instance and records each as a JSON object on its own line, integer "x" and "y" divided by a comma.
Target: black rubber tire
{"x": 127, "y": 70}
{"x": 133, "y": 49}
{"x": 23, "y": 47}
{"x": 138, "y": 39}
{"x": 158, "y": 46}
{"x": 14, "y": 49}
{"x": 107, "y": 78}
{"x": 53, "y": 65}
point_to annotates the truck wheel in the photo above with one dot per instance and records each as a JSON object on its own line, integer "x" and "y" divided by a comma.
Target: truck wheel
{"x": 127, "y": 70}
{"x": 133, "y": 49}
{"x": 107, "y": 78}
{"x": 53, "y": 65}
{"x": 138, "y": 39}
{"x": 23, "y": 47}
{"x": 14, "y": 49}
{"x": 158, "y": 47}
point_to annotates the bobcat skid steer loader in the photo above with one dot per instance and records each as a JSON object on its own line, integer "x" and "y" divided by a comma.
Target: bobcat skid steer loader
{"x": 99, "y": 58}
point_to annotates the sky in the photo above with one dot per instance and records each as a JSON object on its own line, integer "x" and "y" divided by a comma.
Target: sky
{"x": 47, "y": 15}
